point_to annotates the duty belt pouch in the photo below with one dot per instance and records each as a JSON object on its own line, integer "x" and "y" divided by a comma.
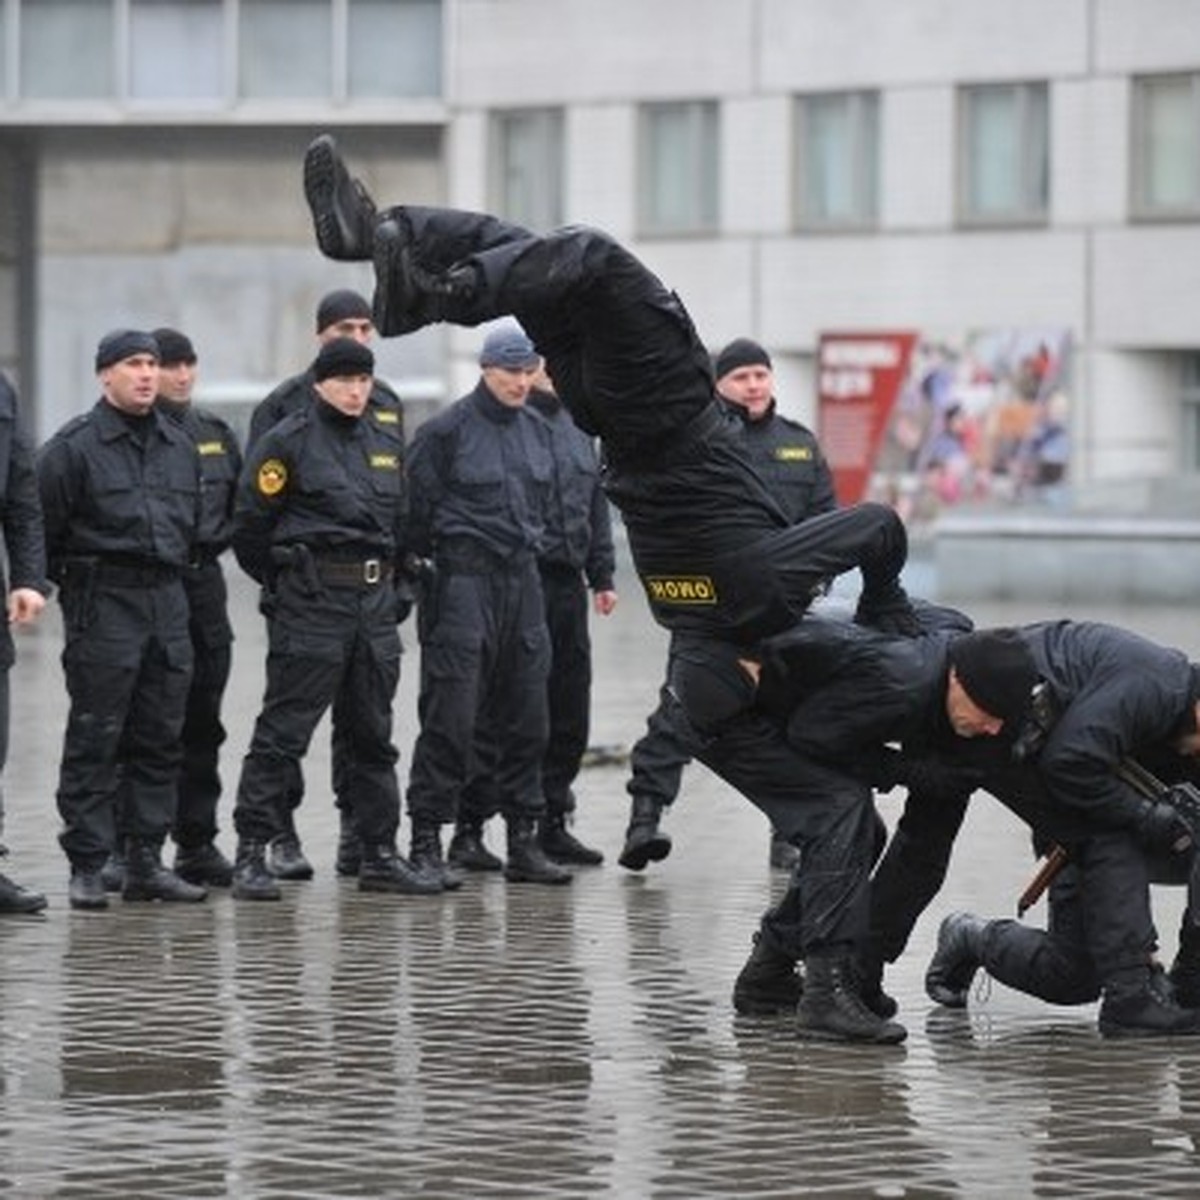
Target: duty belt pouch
{"x": 77, "y": 596}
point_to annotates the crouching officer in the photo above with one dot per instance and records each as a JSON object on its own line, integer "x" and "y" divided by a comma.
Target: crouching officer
{"x": 120, "y": 489}
{"x": 320, "y": 523}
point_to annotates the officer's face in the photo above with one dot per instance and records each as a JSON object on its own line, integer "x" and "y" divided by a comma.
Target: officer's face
{"x": 358, "y": 328}
{"x": 966, "y": 717}
{"x": 176, "y": 381}
{"x": 347, "y": 393}
{"x": 131, "y": 384}
{"x": 510, "y": 385}
{"x": 749, "y": 387}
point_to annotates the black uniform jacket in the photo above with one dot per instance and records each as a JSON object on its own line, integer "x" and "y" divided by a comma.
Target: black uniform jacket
{"x": 108, "y": 494}
{"x": 324, "y": 480}
{"x": 481, "y": 473}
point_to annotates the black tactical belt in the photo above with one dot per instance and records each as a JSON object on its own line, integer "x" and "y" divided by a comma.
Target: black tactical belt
{"x": 134, "y": 574}
{"x": 354, "y": 572}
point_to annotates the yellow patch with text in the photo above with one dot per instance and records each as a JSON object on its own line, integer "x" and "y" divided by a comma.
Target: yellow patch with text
{"x": 210, "y": 448}
{"x": 680, "y": 589}
{"x": 384, "y": 462}
{"x": 793, "y": 453}
{"x": 385, "y": 416}
{"x": 272, "y": 477}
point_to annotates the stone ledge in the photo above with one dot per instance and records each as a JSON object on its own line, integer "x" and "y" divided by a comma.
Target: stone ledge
{"x": 1068, "y": 557}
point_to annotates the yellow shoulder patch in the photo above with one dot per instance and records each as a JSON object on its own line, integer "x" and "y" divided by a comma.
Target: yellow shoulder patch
{"x": 207, "y": 448}
{"x": 793, "y": 454}
{"x": 385, "y": 462}
{"x": 385, "y": 416}
{"x": 272, "y": 477}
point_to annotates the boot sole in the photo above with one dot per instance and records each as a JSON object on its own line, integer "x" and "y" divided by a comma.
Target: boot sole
{"x": 379, "y": 885}
{"x": 137, "y": 896}
{"x": 88, "y": 905}
{"x": 812, "y": 1034}
{"x": 652, "y": 851}
{"x": 323, "y": 176}
{"x": 1128, "y": 1032}
{"x": 292, "y": 875}
{"x": 478, "y": 868}
{"x": 521, "y": 877}
{"x": 242, "y": 894}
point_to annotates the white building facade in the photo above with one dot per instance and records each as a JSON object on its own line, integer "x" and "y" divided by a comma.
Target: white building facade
{"x": 789, "y": 166}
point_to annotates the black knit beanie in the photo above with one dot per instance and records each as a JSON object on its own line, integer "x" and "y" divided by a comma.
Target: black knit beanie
{"x": 997, "y": 670}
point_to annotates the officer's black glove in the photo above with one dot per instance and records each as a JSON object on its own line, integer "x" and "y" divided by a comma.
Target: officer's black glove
{"x": 889, "y": 768}
{"x": 1159, "y": 827}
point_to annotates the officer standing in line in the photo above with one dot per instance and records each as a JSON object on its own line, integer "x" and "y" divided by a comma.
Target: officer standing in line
{"x": 25, "y": 590}
{"x": 340, "y": 314}
{"x": 321, "y": 524}
{"x": 482, "y": 473}
{"x": 120, "y": 488}
{"x": 197, "y": 857}
{"x": 790, "y": 461}
{"x": 577, "y": 554}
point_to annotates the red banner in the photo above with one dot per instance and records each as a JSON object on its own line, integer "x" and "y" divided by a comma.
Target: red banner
{"x": 859, "y": 376}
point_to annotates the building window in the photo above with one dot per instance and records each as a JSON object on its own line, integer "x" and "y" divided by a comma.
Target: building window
{"x": 1004, "y": 154}
{"x": 395, "y": 48}
{"x": 217, "y": 53}
{"x": 1166, "y": 146}
{"x": 285, "y": 49}
{"x": 176, "y": 50}
{"x": 836, "y": 182}
{"x": 677, "y": 176}
{"x": 67, "y": 50}
{"x": 526, "y": 166}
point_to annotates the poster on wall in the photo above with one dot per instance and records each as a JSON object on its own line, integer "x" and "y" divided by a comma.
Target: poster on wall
{"x": 928, "y": 424}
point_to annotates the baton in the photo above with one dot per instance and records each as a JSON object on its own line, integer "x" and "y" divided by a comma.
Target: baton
{"x": 1055, "y": 860}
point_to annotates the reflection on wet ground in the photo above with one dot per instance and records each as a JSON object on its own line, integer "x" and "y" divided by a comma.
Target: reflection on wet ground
{"x": 522, "y": 1041}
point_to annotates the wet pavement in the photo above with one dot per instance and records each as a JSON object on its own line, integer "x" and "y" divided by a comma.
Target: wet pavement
{"x": 520, "y": 1041}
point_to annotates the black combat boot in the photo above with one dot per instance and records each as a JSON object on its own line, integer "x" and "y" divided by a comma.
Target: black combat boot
{"x": 562, "y": 846}
{"x": 251, "y": 879}
{"x": 384, "y": 870}
{"x": 349, "y": 848}
{"x": 1137, "y": 1005}
{"x": 426, "y": 856}
{"x": 468, "y": 851}
{"x": 958, "y": 956}
{"x": 112, "y": 874}
{"x": 203, "y": 864}
{"x": 1185, "y": 970}
{"x": 783, "y": 856}
{"x": 768, "y": 983}
{"x": 87, "y": 890}
{"x": 285, "y": 855}
{"x": 832, "y": 1009}
{"x": 870, "y": 986}
{"x": 17, "y": 899}
{"x": 147, "y": 879}
{"x": 644, "y": 842}
{"x": 343, "y": 212}
{"x": 407, "y": 297}
{"x": 527, "y": 861}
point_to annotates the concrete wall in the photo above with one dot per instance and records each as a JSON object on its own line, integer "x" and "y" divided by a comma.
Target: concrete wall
{"x": 205, "y": 230}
